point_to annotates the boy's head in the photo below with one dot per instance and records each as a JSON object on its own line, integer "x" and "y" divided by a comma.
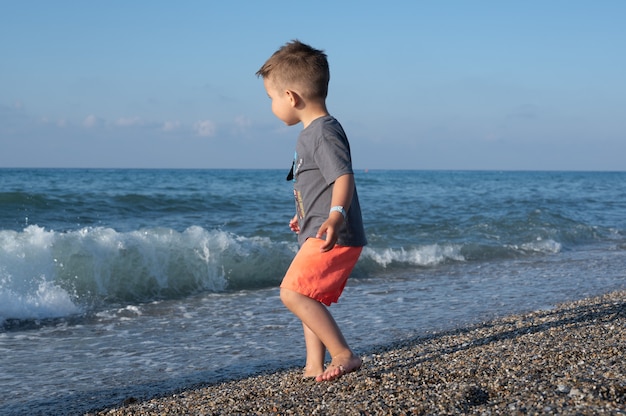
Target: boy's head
{"x": 299, "y": 67}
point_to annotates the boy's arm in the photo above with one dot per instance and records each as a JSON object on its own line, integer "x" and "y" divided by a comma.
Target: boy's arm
{"x": 343, "y": 190}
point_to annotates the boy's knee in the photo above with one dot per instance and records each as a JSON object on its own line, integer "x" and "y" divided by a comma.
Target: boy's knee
{"x": 287, "y": 296}
{"x": 284, "y": 295}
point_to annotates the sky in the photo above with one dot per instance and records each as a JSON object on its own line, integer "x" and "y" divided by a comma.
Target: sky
{"x": 461, "y": 85}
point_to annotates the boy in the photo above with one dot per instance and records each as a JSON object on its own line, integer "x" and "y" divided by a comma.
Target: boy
{"x": 328, "y": 216}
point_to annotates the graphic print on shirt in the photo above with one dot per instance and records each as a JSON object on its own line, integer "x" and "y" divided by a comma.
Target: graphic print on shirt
{"x": 299, "y": 205}
{"x": 297, "y": 163}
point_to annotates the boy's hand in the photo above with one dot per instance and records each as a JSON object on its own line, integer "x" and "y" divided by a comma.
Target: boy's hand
{"x": 293, "y": 224}
{"x": 330, "y": 228}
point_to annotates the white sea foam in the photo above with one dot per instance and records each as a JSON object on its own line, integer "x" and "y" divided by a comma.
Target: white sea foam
{"x": 48, "y": 274}
{"x": 27, "y": 287}
{"x": 542, "y": 246}
{"x": 47, "y": 301}
{"x": 428, "y": 255}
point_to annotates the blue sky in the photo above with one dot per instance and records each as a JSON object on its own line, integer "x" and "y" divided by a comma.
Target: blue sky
{"x": 505, "y": 85}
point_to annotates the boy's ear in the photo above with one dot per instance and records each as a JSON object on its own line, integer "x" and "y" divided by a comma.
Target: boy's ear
{"x": 294, "y": 98}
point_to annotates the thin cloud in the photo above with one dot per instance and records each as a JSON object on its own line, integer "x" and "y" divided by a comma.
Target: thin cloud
{"x": 241, "y": 125}
{"x": 171, "y": 125}
{"x": 205, "y": 128}
{"x": 128, "y": 121}
{"x": 90, "y": 121}
{"x": 243, "y": 122}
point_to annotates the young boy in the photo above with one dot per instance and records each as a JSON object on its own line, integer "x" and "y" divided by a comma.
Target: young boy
{"x": 328, "y": 216}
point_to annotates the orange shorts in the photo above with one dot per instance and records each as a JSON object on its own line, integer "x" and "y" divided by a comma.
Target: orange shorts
{"x": 321, "y": 275}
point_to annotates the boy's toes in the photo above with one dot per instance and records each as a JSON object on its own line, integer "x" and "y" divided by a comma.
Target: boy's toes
{"x": 340, "y": 367}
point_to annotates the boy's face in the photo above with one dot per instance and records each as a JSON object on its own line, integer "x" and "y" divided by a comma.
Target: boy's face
{"x": 283, "y": 105}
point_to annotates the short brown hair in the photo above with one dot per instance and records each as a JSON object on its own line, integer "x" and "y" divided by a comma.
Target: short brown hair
{"x": 298, "y": 65}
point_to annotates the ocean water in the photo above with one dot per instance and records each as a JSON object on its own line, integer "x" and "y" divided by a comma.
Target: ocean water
{"x": 118, "y": 283}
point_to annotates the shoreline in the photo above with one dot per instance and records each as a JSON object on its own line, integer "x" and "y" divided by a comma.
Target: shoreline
{"x": 566, "y": 360}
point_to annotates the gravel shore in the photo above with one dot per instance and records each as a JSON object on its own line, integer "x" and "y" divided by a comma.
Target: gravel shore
{"x": 570, "y": 360}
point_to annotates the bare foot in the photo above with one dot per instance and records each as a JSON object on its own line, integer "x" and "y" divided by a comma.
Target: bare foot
{"x": 339, "y": 367}
{"x": 311, "y": 373}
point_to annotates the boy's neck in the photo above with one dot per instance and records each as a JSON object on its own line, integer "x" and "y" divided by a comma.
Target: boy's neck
{"x": 311, "y": 113}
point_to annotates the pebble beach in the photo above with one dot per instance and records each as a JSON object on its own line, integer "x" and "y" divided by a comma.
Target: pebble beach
{"x": 568, "y": 360}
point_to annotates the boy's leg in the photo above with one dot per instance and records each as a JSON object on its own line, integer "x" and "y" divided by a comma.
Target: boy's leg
{"x": 319, "y": 320}
{"x": 315, "y": 353}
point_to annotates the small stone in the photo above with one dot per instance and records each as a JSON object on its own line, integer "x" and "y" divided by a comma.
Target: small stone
{"x": 562, "y": 388}
{"x": 576, "y": 393}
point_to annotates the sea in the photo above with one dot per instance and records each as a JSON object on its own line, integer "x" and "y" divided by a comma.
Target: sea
{"x": 135, "y": 283}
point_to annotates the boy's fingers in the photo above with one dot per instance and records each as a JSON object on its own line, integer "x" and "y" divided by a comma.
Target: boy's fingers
{"x": 331, "y": 239}
{"x": 326, "y": 246}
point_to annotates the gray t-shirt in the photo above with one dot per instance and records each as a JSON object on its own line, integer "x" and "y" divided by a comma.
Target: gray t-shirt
{"x": 323, "y": 155}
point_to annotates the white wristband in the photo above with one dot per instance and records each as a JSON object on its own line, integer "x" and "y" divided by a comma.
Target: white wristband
{"x": 340, "y": 209}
